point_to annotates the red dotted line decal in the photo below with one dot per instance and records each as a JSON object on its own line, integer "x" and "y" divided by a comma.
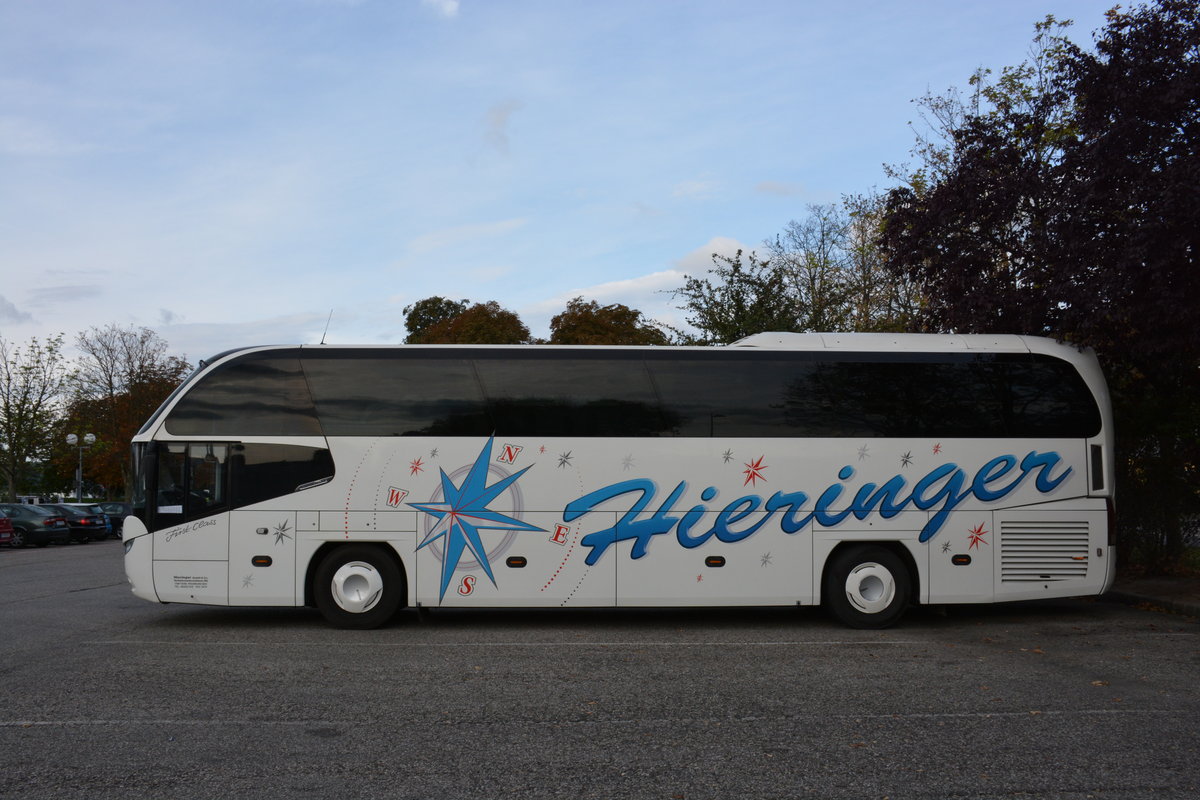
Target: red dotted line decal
{"x": 350, "y": 491}
{"x": 562, "y": 564}
{"x": 383, "y": 473}
{"x": 571, "y": 549}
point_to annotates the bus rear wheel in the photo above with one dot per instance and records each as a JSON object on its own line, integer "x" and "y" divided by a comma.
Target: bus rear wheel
{"x": 359, "y": 587}
{"x": 867, "y": 587}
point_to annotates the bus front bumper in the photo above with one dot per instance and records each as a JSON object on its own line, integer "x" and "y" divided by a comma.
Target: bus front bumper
{"x": 139, "y": 560}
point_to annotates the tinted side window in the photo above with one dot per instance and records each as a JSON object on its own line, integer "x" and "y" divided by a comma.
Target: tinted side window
{"x": 731, "y": 396}
{"x": 822, "y": 394}
{"x": 718, "y": 392}
{"x": 262, "y": 471}
{"x": 571, "y": 397}
{"x": 256, "y": 395}
{"x": 378, "y": 396}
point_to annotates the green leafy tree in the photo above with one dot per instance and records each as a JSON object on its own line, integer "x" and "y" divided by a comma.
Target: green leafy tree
{"x": 425, "y": 314}
{"x": 590, "y": 323}
{"x": 31, "y": 394}
{"x": 482, "y": 323}
{"x": 1067, "y": 203}
{"x": 737, "y": 301}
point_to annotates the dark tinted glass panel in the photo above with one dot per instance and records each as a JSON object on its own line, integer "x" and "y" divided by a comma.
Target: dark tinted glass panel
{"x": 731, "y": 396}
{"x": 207, "y": 479}
{"x": 571, "y": 397}
{"x": 662, "y": 392}
{"x": 257, "y": 395}
{"x": 170, "y": 484}
{"x": 873, "y": 395}
{"x": 381, "y": 396}
{"x": 262, "y": 471}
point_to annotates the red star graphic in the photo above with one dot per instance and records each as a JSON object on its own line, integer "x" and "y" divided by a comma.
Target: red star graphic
{"x": 415, "y": 466}
{"x": 937, "y": 448}
{"x": 976, "y": 536}
{"x": 753, "y": 472}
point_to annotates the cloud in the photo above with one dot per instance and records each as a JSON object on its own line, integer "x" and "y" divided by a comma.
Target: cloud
{"x": 446, "y": 237}
{"x": 23, "y": 137}
{"x": 49, "y": 295}
{"x": 699, "y": 261}
{"x": 10, "y": 313}
{"x": 447, "y": 8}
{"x": 651, "y": 293}
{"x": 625, "y": 291}
{"x": 490, "y": 274}
{"x": 497, "y": 123}
{"x": 778, "y": 188}
{"x": 698, "y": 189}
{"x": 205, "y": 339}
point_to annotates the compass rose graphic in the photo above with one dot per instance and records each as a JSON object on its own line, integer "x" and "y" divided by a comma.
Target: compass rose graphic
{"x": 463, "y": 513}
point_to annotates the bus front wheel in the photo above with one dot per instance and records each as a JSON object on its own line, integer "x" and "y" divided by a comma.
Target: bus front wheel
{"x": 358, "y": 586}
{"x": 867, "y": 587}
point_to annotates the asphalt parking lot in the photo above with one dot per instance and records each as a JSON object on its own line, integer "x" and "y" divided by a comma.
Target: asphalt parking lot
{"x": 104, "y": 695}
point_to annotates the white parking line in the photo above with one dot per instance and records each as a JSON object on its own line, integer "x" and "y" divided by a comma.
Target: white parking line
{"x": 327, "y": 723}
{"x": 834, "y": 643}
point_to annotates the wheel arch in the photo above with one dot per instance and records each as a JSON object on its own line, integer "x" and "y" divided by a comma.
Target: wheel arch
{"x": 328, "y": 547}
{"x": 895, "y": 546}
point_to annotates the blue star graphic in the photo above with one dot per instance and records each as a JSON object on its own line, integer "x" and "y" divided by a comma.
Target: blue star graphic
{"x": 464, "y": 513}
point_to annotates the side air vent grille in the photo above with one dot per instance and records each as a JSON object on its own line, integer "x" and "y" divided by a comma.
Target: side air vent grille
{"x": 1043, "y": 550}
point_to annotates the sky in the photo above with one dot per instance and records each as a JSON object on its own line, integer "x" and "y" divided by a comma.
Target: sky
{"x": 240, "y": 172}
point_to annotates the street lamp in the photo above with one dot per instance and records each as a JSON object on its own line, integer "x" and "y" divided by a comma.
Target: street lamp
{"x": 89, "y": 439}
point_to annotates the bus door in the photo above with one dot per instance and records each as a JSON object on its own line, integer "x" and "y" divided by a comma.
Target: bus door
{"x": 262, "y": 558}
{"x": 191, "y": 538}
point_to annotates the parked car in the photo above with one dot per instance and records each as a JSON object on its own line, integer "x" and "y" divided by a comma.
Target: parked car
{"x": 6, "y": 530}
{"x": 117, "y": 511}
{"x": 35, "y": 525}
{"x": 111, "y": 522}
{"x": 85, "y": 525}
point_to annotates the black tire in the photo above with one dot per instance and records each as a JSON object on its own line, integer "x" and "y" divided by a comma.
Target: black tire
{"x": 372, "y": 587}
{"x": 18, "y": 538}
{"x": 867, "y": 587}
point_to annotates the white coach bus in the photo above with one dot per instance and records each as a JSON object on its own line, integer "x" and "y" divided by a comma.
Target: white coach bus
{"x": 867, "y": 472}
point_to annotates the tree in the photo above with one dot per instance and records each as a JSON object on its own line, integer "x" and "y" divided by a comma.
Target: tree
{"x": 876, "y": 298}
{"x": 973, "y": 226}
{"x": 810, "y": 254}
{"x": 31, "y": 387}
{"x": 122, "y": 376}
{"x": 743, "y": 300}
{"x": 590, "y": 323}
{"x": 824, "y": 272}
{"x": 1068, "y": 204}
{"x": 482, "y": 323}
{"x": 424, "y": 314}
{"x": 1131, "y": 241}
